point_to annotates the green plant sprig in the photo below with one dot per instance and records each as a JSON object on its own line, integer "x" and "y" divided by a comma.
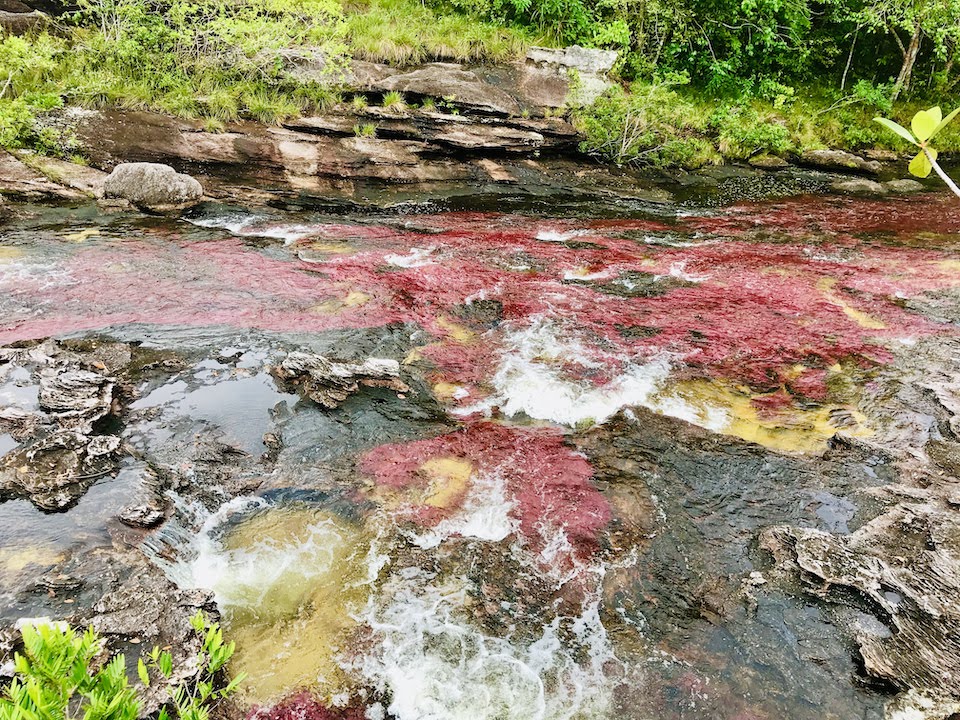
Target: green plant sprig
{"x": 59, "y": 676}
{"x": 926, "y": 125}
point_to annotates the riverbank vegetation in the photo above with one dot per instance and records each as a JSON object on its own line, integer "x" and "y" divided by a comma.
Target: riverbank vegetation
{"x": 698, "y": 81}
{"x": 62, "y": 673}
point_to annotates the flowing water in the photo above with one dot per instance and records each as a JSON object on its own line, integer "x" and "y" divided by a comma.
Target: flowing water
{"x": 558, "y": 519}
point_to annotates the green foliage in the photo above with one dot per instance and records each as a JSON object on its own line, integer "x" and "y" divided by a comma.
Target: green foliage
{"x": 403, "y": 32}
{"x": 651, "y": 124}
{"x": 394, "y": 100}
{"x": 365, "y": 130}
{"x": 55, "y": 679}
{"x": 59, "y": 676}
{"x": 743, "y": 131}
{"x": 193, "y": 701}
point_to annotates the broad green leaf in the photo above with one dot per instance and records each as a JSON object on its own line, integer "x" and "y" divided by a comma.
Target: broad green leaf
{"x": 920, "y": 165}
{"x": 897, "y": 128}
{"x": 925, "y": 122}
{"x": 944, "y": 122}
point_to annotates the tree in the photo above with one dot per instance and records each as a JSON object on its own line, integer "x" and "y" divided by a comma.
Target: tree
{"x": 936, "y": 21}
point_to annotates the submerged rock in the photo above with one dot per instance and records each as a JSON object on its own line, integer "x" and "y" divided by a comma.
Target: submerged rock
{"x": 329, "y": 382}
{"x": 859, "y": 186}
{"x": 903, "y": 185}
{"x": 905, "y": 566}
{"x": 55, "y": 471}
{"x": 153, "y": 186}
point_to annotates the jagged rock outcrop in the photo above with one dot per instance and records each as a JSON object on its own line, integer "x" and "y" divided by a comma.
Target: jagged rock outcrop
{"x": 329, "y": 382}
{"x": 904, "y": 566}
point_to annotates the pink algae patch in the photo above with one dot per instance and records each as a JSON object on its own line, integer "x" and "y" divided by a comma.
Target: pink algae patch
{"x": 720, "y": 307}
{"x": 303, "y": 706}
{"x": 926, "y": 213}
{"x": 548, "y": 484}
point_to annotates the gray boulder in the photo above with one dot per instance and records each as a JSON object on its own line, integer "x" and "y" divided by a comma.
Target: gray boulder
{"x": 584, "y": 60}
{"x": 840, "y": 161}
{"x": 590, "y": 67}
{"x": 858, "y": 186}
{"x": 903, "y": 186}
{"x": 152, "y": 186}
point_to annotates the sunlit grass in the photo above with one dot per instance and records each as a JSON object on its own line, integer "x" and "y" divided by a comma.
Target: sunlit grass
{"x": 404, "y": 32}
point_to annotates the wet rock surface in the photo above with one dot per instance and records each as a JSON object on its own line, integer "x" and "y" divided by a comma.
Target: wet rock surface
{"x": 840, "y": 161}
{"x": 329, "y": 382}
{"x": 499, "y": 468}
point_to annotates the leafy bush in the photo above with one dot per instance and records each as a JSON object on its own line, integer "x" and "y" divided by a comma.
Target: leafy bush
{"x": 651, "y": 124}
{"x": 54, "y": 679}
{"x": 925, "y": 126}
{"x": 743, "y": 132}
{"x": 60, "y": 675}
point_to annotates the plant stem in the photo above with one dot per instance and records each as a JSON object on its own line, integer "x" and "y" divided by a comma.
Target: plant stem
{"x": 943, "y": 176}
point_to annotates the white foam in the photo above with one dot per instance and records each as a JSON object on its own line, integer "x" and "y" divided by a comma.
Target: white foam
{"x": 241, "y": 577}
{"x": 486, "y": 514}
{"x": 560, "y": 236}
{"x": 435, "y": 665}
{"x": 248, "y": 225}
{"x": 679, "y": 270}
{"x": 417, "y": 257}
{"x": 578, "y": 274}
{"x": 530, "y": 380}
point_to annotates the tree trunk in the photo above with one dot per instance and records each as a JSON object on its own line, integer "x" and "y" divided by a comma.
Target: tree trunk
{"x": 909, "y": 58}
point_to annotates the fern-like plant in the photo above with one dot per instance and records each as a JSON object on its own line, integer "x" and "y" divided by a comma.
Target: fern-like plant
{"x": 54, "y": 678}
{"x": 58, "y": 677}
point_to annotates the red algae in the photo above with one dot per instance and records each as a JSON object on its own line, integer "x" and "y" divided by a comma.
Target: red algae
{"x": 746, "y": 310}
{"x": 814, "y": 213}
{"x": 303, "y": 706}
{"x": 548, "y": 484}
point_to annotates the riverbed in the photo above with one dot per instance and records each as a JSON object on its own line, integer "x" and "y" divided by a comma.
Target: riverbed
{"x": 557, "y": 507}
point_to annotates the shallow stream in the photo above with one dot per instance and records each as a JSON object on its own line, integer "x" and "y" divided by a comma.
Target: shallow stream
{"x": 558, "y": 517}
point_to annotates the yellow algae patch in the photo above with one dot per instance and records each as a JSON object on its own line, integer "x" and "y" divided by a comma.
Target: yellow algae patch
{"x": 329, "y": 248}
{"x": 13, "y": 560}
{"x": 448, "y": 478}
{"x": 83, "y": 235}
{"x": 826, "y": 285}
{"x": 445, "y": 390}
{"x": 950, "y": 266}
{"x": 731, "y": 411}
{"x": 335, "y": 305}
{"x": 287, "y": 582}
{"x": 459, "y": 333}
{"x": 8, "y": 253}
{"x": 412, "y": 357}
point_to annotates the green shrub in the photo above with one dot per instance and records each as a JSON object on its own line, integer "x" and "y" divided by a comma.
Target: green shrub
{"x": 59, "y": 676}
{"x": 650, "y": 124}
{"x": 743, "y": 132}
{"x": 54, "y": 679}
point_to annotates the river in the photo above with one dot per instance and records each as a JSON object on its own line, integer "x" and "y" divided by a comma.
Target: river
{"x": 555, "y": 511}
